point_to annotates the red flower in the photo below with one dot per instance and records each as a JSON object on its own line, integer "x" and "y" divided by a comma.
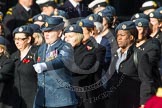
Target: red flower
{"x": 38, "y": 59}
{"x": 26, "y": 61}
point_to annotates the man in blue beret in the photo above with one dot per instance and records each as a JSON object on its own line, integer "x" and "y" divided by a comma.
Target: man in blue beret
{"x": 53, "y": 76}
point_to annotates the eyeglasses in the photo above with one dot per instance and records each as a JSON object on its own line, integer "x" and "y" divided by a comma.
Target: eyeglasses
{"x": 19, "y": 39}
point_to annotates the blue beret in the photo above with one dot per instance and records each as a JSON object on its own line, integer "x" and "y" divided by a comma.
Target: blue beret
{"x": 142, "y": 22}
{"x": 4, "y": 41}
{"x": 159, "y": 9}
{"x": 95, "y": 18}
{"x": 53, "y": 23}
{"x": 86, "y": 23}
{"x": 126, "y": 25}
{"x": 139, "y": 15}
{"x": 36, "y": 28}
{"x": 39, "y": 17}
{"x": 111, "y": 10}
{"x": 23, "y": 29}
{"x": 61, "y": 13}
{"x": 156, "y": 14}
{"x": 106, "y": 13}
{"x": 73, "y": 28}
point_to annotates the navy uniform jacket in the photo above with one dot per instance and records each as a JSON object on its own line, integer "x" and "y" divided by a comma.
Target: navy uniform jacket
{"x": 52, "y": 91}
{"x": 105, "y": 42}
{"x": 131, "y": 86}
{"x": 15, "y": 17}
{"x": 72, "y": 11}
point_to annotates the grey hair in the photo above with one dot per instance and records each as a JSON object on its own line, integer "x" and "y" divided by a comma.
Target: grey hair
{"x": 99, "y": 26}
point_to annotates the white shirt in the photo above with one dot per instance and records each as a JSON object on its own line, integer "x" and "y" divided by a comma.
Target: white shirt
{"x": 74, "y": 3}
{"x": 121, "y": 58}
{"x": 26, "y": 8}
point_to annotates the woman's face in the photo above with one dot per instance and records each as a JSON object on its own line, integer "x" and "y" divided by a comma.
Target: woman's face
{"x": 72, "y": 38}
{"x": 105, "y": 24}
{"x": 21, "y": 41}
{"x": 154, "y": 22}
{"x": 140, "y": 32}
{"x": 38, "y": 40}
{"x": 124, "y": 39}
{"x": 86, "y": 34}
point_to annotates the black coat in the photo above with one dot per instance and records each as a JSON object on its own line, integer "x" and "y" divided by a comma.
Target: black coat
{"x": 6, "y": 81}
{"x": 15, "y": 17}
{"x": 132, "y": 85}
{"x": 25, "y": 80}
{"x": 98, "y": 51}
{"x": 152, "y": 47}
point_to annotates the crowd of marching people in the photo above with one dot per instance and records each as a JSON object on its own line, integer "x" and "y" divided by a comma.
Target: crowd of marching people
{"x": 73, "y": 56}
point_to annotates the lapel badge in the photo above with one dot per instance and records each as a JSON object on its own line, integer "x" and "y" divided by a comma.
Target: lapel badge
{"x": 124, "y": 26}
{"x": 20, "y": 29}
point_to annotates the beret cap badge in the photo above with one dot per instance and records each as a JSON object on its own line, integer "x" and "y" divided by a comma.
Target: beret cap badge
{"x": 139, "y": 24}
{"x": 161, "y": 11}
{"x": 80, "y": 24}
{"x": 20, "y": 29}
{"x": 46, "y": 24}
{"x": 124, "y": 26}
{"x": 91, "y": 18}
{"x": 151, "y": 15}
{"x": 71, "y": 28}
{"x": 40, "y": 18}
{"x": 137, "y": 15}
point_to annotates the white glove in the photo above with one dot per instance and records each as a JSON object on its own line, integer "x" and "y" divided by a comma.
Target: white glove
{"x": 40, "y": 67}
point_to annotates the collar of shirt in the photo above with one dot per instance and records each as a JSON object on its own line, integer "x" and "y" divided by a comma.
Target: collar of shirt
{"x": 121, "y": 58}
{"x": 74, "y": 3}
{"x": 26, "y": 8}
{"x": 121, "y": 54}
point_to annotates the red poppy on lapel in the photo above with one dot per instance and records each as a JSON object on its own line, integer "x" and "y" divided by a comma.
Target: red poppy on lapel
{"x": 26, "y": 61}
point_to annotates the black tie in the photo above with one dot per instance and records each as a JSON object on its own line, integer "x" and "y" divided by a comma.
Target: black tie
{"x": 79, "y": 10}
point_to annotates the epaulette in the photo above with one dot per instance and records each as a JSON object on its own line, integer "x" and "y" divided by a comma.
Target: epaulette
{"x": 9, "y": 12}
